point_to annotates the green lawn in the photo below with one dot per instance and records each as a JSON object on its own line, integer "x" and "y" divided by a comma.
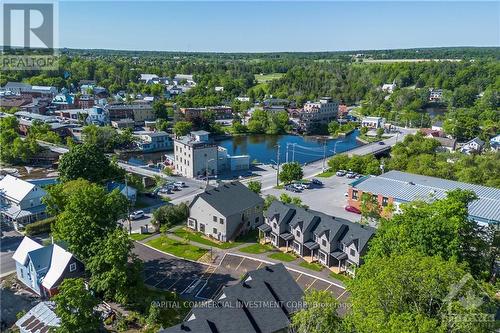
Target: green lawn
{"x": 251, "y": 237}
{"x": 198, "y": 238}
{"x": 267, "y": 77}
{"x": 139, "y": 237}
{"x": 341, "y": 277}
{"x": 281, "y": 256}
{"x": 326, "y": 174}
{"x": 312, "y": 266}
{"x": 177, "y": 248}
{"x": 256, "y": 248}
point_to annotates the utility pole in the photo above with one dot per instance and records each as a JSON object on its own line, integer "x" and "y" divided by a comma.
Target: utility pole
{"x": 128, "y": 207}
{"x": 278, "y": 166}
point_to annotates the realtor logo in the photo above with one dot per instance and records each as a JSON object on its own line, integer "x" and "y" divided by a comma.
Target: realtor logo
{"x": 29, "y": 35}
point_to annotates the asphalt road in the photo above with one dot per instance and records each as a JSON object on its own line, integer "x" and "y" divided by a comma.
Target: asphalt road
{"x": 8, "y": 244}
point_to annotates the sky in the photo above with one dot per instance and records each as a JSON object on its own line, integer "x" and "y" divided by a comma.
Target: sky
{"x": 268, "y": 26}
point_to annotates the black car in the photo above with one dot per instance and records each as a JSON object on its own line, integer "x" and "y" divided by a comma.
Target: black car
{"x": 381, "y": 143}
{"x": 316, "y": 182}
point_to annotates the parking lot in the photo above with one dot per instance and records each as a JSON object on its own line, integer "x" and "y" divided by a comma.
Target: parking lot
{"x": 198, "y": 281}
{"x": 328, "y": 198}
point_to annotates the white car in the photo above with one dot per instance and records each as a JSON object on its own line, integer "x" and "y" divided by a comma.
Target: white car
{"x": 136, "y": 215}
{"x": 179, "y": 184}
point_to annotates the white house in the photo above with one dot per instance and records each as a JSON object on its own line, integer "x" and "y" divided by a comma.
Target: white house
{"x": 473, "y": 146}
{"x": 389, "y": 87}
{"x": 373, "y": 122}
{"x": 495, "y": 143}
{"x": 20, "y": 202}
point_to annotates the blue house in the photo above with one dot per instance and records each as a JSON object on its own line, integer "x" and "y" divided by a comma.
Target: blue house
{"x": 43, "y": 268}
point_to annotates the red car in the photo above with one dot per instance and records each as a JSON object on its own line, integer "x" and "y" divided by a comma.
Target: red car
{"x": 352, "y": 209}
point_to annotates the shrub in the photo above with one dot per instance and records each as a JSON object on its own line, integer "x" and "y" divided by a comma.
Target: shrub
{"x": 39, "y": 226}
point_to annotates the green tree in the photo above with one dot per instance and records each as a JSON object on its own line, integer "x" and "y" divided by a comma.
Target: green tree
{"x": 169, "y": 215}
{"x": 13, "y": 149}
{"x": 182, "y": 128}
{"x": 333, "y": 128}
{"x": 370, "y": 209}
{"x": 380, "y": 132}
{"x": 407, "y": 292}
{"x": 88, "y": 214}
{"x": 363, "y": 130}
{"x": 75, "y": 307}
{"x": 338, "y": 162}
{"x": 320, "y": 314}
{"x": 153, "y": 315}
{"x": 85, "y": 161}
{"x": 255, "y": 186}
{"x": 441, "y": 228}
{"x": 290, "y": 172}
{"x": 115, "y": 271}
{"x": 160, "y": 109}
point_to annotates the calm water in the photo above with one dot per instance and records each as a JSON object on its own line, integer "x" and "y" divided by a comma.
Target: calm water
{"x": 263, "y": 148}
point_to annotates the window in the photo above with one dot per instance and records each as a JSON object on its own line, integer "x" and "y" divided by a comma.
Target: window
{"x": 215, "y": 218}
{"x": 215, "y": 231}
{"x": 353, "y": 252}
{"x": 385, "y": 201}
{"x": 297, "y": 233}
{"x": 257, "y": 219}
{"x": 72, "y": 267}
{"x": 221, "y": 220}
{"x": 323, "y": 242}
{"x": 354, "y": 194}
{"x": 275, "y": 225}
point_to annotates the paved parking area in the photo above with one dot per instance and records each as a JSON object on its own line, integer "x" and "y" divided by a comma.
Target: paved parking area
{"x": 328, "y": 199}
{"x": 199, "y": 281}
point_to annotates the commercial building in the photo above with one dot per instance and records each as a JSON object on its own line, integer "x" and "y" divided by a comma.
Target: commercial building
{"x": 396, "y": 188}
{"x": 373, "y": 122}
{"x": 226, "y": 211}
{"x": 195, "y": 155}
{"x": 220, "y": 112}
{"x": 335, "y": 243}
{"x": 262, "y": 302}
{"x": 139, "y": 111}
{"x": 315, "y": 114}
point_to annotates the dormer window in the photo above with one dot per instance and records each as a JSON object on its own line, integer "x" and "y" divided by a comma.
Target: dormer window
{"x": 72, "y": 267}
{"x": 297, "y": 233}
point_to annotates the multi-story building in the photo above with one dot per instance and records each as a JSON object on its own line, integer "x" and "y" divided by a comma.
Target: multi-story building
{"x": 435, "y": 95}
{"x": 153, "y": 141}
{"x": 220, "y": 112}
{"x": 315, "y": 114}
{"x": 20, "y": 202}
{"x": 195, "y": 155}
{"x": 226, "y": 211}
{"x": 396, "y": 188}
{"x": 139, "y": 111}
{"x": 336, "y": 243}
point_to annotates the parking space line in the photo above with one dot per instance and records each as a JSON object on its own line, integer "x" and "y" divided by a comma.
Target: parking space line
{"x": 311, "y": 284}
{"x": 329, "y": 286}
{"x": 189, "y": 286}
{"x": 260, "y": 265}
{"x": 342, "y": 294}
{"x": 173, "y": 284}
{"x": 161, "y": 280}
{"x": 297, "y": 279}
{"x": 239, "y": 264}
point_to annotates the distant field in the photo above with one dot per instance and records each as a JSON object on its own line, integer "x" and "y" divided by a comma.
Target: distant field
{"x": 267, "y": 77}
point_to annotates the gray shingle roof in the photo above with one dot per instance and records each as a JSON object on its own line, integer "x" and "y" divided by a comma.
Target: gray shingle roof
{"x": 230, "y": 198}
{"x": 408, "y": 187}
{"x": 334, "y": 227}
{"x": 261, "y": 303}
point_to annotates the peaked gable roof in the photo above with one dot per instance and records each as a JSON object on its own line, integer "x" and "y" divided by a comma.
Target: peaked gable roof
{"x": 27, "y": 245}
{"x": 60, "y": 259}
{"x": 15, "y": 188}
{"x": 229, "y": 198}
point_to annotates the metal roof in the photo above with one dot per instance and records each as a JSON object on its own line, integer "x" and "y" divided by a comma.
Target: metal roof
{"x": 407, "y": 187}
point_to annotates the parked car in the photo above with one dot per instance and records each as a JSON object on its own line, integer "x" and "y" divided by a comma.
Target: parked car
{"x": 299, "y": 186}
{"x": 136, "y": 215}
{"x": 341, "y": 173}
{"x": 316, "y": 182}
{"x": 179, "y": 184}
{"x": 292, "y": 188}
{"x": 351, "y": 174}
{"x": 352, "y": 209}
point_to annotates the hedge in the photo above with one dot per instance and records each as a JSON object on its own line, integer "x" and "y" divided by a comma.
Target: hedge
{"x": 39, "y": 227}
